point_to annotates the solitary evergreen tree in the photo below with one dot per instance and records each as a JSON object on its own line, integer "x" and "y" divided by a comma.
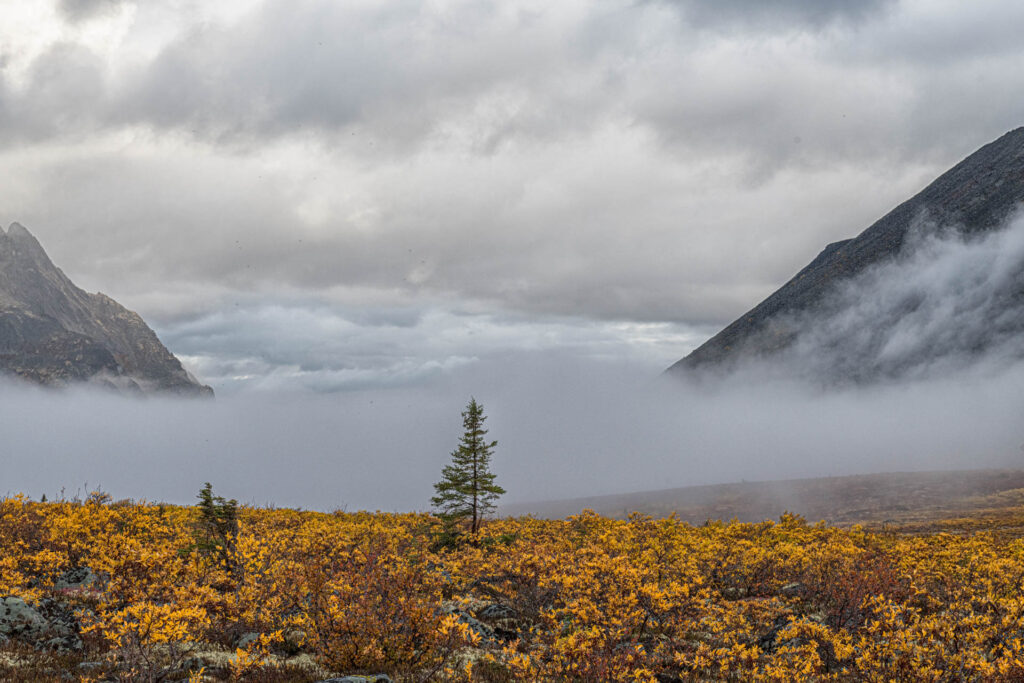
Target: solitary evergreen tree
{"x": 468, "y": 491}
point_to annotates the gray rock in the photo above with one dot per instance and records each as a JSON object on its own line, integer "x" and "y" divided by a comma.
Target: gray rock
{"x": 495, "y": 611}
{"x": 501, "y": 619}
{"x": 17, "y": 617}
{"x": 46, "y": 626}
{"x": 76, "y": 579}
{"x": 486, "y": 633}
{"x": 291, "y": 644}
{"x": 247, "y": 639}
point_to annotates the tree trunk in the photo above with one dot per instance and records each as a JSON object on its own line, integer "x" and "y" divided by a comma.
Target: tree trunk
{"x": 476, "y": 489}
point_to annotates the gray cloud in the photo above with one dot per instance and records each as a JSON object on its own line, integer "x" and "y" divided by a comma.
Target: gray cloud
{"x": 350, "y": 220}
{"x": 787, "y": 14}
{"x": 622, "y": 162}
{"x": 497, "y": 236}
{"x": 399, "y": 72}
{"x": 484, "y": 78}
{"x": 945, "y": 303}
{"x": 80, "y": 10}
{"x": 260, "y": 345}
{"x": 64, "y": 96}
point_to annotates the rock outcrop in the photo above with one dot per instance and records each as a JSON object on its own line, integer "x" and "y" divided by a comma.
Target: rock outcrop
{"x": 53, "y": 333}
{"x": 973, "y": 199}
{"x": 48, "y": 625}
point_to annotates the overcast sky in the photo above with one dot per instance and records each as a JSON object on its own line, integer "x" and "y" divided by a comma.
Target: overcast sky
{"x": 346, "y": 194}
{"x": 349, "y": 216}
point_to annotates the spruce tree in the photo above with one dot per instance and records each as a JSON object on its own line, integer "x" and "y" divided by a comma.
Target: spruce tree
{"x": 467, "y": 491}
{"x": 216, "y": 529}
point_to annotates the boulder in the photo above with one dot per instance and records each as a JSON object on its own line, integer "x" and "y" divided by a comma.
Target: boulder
{"x": 45, "y": 626}
{"x": 77, "y": 579}
{"x": 478, "y": 627}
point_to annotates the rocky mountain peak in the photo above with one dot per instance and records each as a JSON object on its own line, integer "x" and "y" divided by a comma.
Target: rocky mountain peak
{"x": 20, "y": 240}
{"x": 52, "y": 332}
{"x": 18, "y": 230}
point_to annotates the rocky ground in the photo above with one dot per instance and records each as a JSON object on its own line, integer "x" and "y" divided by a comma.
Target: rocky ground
{"x": 44, "y": 642}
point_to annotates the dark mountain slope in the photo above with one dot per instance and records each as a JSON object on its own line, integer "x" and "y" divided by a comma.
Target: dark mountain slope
{"x": 974, "y": 198}
{"x": 52, "y": 332}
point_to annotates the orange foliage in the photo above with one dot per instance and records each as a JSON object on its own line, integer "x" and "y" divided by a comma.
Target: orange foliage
{"x": 582, "y": 599}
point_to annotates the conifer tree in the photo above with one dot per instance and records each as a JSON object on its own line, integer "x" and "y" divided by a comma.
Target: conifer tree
{"x": 216, "y": 529}
{"x": 467, "y": 491}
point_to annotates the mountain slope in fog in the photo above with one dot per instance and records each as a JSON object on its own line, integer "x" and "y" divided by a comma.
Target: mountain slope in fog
{"x": 53, "y": 333}
{"x": 887, "y": 302}
{"x": 871, "y": 499}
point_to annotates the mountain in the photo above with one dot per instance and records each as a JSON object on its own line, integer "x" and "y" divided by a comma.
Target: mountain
{"x": 53, "y": 333}
{"x": 822, "y": 310}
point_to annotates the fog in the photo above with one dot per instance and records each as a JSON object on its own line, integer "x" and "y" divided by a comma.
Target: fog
{"x": 946, "y": 302}
{"x": 564, "y": 429}
{"x": 348, "y": 218}
{"x": 937, "y": 325}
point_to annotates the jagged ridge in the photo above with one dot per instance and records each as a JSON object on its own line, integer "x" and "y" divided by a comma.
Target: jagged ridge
{"x": 52, "y": 332}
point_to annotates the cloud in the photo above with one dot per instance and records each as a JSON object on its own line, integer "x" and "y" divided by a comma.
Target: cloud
{"x": 789, "y": 14}
{"x": 638, "y": 162}
{"x": 949, "y": 304}
{"x": 351, "y": 216}
{"x": 566, "y": 426}
{"x": 609, "y": 227}
{"x": 309, "y": 344}
{"x": 82, "y": 10}
{"x": 395, "y": 73}
{"x": 946, "y": 302}
{"x": 716, "y": 78}
{"x": 64, "y": 82}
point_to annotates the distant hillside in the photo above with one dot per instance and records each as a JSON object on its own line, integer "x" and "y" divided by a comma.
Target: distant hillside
{"x": 972, "y": 199}
{"x": 53, "y": 333}
{"x": 904, "y": 497}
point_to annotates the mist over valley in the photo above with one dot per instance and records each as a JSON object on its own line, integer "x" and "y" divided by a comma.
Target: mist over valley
{"x": 346, "y": 239}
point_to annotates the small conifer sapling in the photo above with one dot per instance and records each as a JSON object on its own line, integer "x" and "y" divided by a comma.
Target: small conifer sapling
{"x": 216, "y": 528}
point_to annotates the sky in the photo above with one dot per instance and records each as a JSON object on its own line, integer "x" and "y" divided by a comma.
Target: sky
{"x": 367, "y": 201}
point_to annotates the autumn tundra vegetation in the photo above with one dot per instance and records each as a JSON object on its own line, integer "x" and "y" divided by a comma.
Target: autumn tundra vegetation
{"x": 102, "y": 590}
{"x": 156, "y": 592}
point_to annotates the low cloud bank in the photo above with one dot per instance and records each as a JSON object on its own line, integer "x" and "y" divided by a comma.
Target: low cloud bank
{"x": 571, "y": 424}
{"x": 564, "y": 428}
{"x": 948, "y": 303}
